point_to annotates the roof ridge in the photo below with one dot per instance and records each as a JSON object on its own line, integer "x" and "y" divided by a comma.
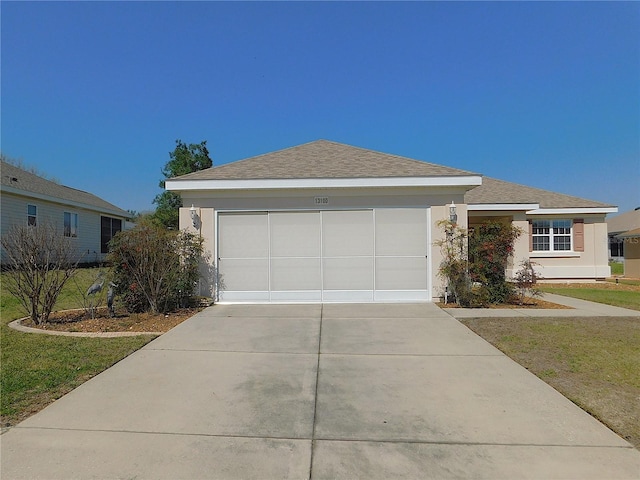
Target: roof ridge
{"x": 395, "y": 155}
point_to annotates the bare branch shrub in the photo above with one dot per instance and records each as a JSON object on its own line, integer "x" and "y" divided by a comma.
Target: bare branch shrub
{"x": 39, "y": 261}
{"x": 525, "y": 281}
{"x": 454, "y": 268}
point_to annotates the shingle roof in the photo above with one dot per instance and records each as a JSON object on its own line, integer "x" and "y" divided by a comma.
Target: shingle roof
{"x": 323, "y": 159}
{"x": 29, "y": 183}
{"x": 493, "y": 191}
{"x": 329, "y": 160}
{"x": 624, "y": 222}
{"x": 630, "y": 234}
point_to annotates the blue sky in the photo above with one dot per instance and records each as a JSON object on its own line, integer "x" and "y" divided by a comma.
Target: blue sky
{"x": 545, "y": 94}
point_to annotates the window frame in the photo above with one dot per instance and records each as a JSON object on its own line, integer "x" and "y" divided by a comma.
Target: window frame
{"x": 70, "y": 231}
{"x": 559, "y": 232}
{"x": 104, "y": 241}
{"x": 33, "y": 216}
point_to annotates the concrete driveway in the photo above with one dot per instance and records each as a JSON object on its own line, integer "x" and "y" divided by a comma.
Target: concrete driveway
{"x": 316, "y": 391}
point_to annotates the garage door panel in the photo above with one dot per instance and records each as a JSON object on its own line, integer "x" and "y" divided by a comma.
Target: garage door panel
{"x": 347, "y": 233}
{"x": 353, "y": 273}
{"x": 295, "y": 234}
{"x": 401, "y": 231}
{"x": 401, "y": 273}
{"x": 244, "y": 235}
{"x": 245, "y": 274}
{"x": 295, "y": 274}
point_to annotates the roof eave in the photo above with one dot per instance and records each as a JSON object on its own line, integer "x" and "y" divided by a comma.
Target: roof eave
{"x": 61, "y": 201}
{"x": 635, "y": 233}
{"x": 572, "y": 211}
{"x": 493, "y": 207}
{"x": 309, "y": 183}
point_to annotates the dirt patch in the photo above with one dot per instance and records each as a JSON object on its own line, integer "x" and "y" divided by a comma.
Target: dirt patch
{"x": 81, "y": 321}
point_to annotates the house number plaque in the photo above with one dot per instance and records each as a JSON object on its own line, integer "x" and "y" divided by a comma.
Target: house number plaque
{"x": 321, "y": 200}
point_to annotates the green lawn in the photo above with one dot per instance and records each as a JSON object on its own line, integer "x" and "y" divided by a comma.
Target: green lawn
{"x": 619, "y": 295}
{"x": 617, "y": 268}
{"x": 37, "y": 369}
{"x": 592, "y": 361}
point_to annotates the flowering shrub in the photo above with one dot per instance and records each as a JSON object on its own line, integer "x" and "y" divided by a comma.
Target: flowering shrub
{"x": 490, "y": 247}
{"x": 475, "y": 261}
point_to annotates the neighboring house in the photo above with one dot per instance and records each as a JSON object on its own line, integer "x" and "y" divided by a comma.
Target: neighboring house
{"x": 88, "y": 221}
{"x": 624, "y": 241}
{"x": 328, "y": 222}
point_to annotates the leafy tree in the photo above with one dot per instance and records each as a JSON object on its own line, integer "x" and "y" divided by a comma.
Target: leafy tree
{"x": 184, "y": 159}
{"x": 39, "y": 261}
{"x": 154, "y": 269}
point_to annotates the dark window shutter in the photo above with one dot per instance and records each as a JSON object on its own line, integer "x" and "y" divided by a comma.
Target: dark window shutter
{"x": 578, "y": 235}
{"x": 531, "y": 235}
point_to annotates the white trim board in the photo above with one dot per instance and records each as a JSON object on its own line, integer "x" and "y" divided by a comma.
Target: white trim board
{"x": 305, "y": 183}
{"x": 572, "y": 211}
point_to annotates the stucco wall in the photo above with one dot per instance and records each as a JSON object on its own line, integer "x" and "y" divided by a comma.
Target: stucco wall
{"x": 632, "y": 257}
{"x": 204, "y": 227}
{"x": 592, "y": 263}
{"x": 208, "y": 203}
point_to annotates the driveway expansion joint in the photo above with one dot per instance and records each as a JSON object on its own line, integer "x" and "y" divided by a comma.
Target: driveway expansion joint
{"x": 315, "y": 398}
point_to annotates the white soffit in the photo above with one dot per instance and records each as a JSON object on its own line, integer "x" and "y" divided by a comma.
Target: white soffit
{"x": 493, "y": 207}
{"x": 572, "y": 211}
{"x": 268, "y": 184}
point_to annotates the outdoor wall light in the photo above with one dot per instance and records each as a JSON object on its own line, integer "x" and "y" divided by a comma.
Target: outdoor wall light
{"x": 194, "y": 215}
{"x": 453, "y": 217}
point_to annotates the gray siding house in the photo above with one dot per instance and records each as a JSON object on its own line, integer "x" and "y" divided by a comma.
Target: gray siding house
{"x": 89, "y": 221}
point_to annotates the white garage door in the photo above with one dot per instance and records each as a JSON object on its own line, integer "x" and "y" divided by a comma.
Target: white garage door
{"x": 324, "y": 256}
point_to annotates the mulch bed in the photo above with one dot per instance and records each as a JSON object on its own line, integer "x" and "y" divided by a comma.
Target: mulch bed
{"x": 530, "y": 303}
{"x": 81, "y": 321}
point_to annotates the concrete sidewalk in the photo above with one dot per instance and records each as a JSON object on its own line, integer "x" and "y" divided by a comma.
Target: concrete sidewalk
{"x": 578, "y": 308}
{"x": 316, "y": 391}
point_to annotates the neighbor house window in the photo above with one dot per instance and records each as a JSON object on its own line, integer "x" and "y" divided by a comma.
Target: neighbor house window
{"x": 70, "y": 224}
{"x": 616, "y": 245}
{"x": 108, "y": 229}
{"x": 32, "y": 213}
{"x": 551, "y": 235}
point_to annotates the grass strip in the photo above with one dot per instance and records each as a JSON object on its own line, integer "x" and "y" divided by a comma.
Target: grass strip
{"x": 37, "y": 369}
{"x": 619, "y": 298}
{"x": 593, "y": 361}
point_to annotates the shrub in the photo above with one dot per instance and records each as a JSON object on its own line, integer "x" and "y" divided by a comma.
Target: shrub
{"x": 154, "y": 269}
{"x": 475, "y": 261}
{"x": 525, "y": 282}
{"x": 490, "y": 248}
{"x": 454, "y": 268}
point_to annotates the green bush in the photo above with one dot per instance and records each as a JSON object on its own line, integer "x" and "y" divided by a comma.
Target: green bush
{"x": 155, "y": 269}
